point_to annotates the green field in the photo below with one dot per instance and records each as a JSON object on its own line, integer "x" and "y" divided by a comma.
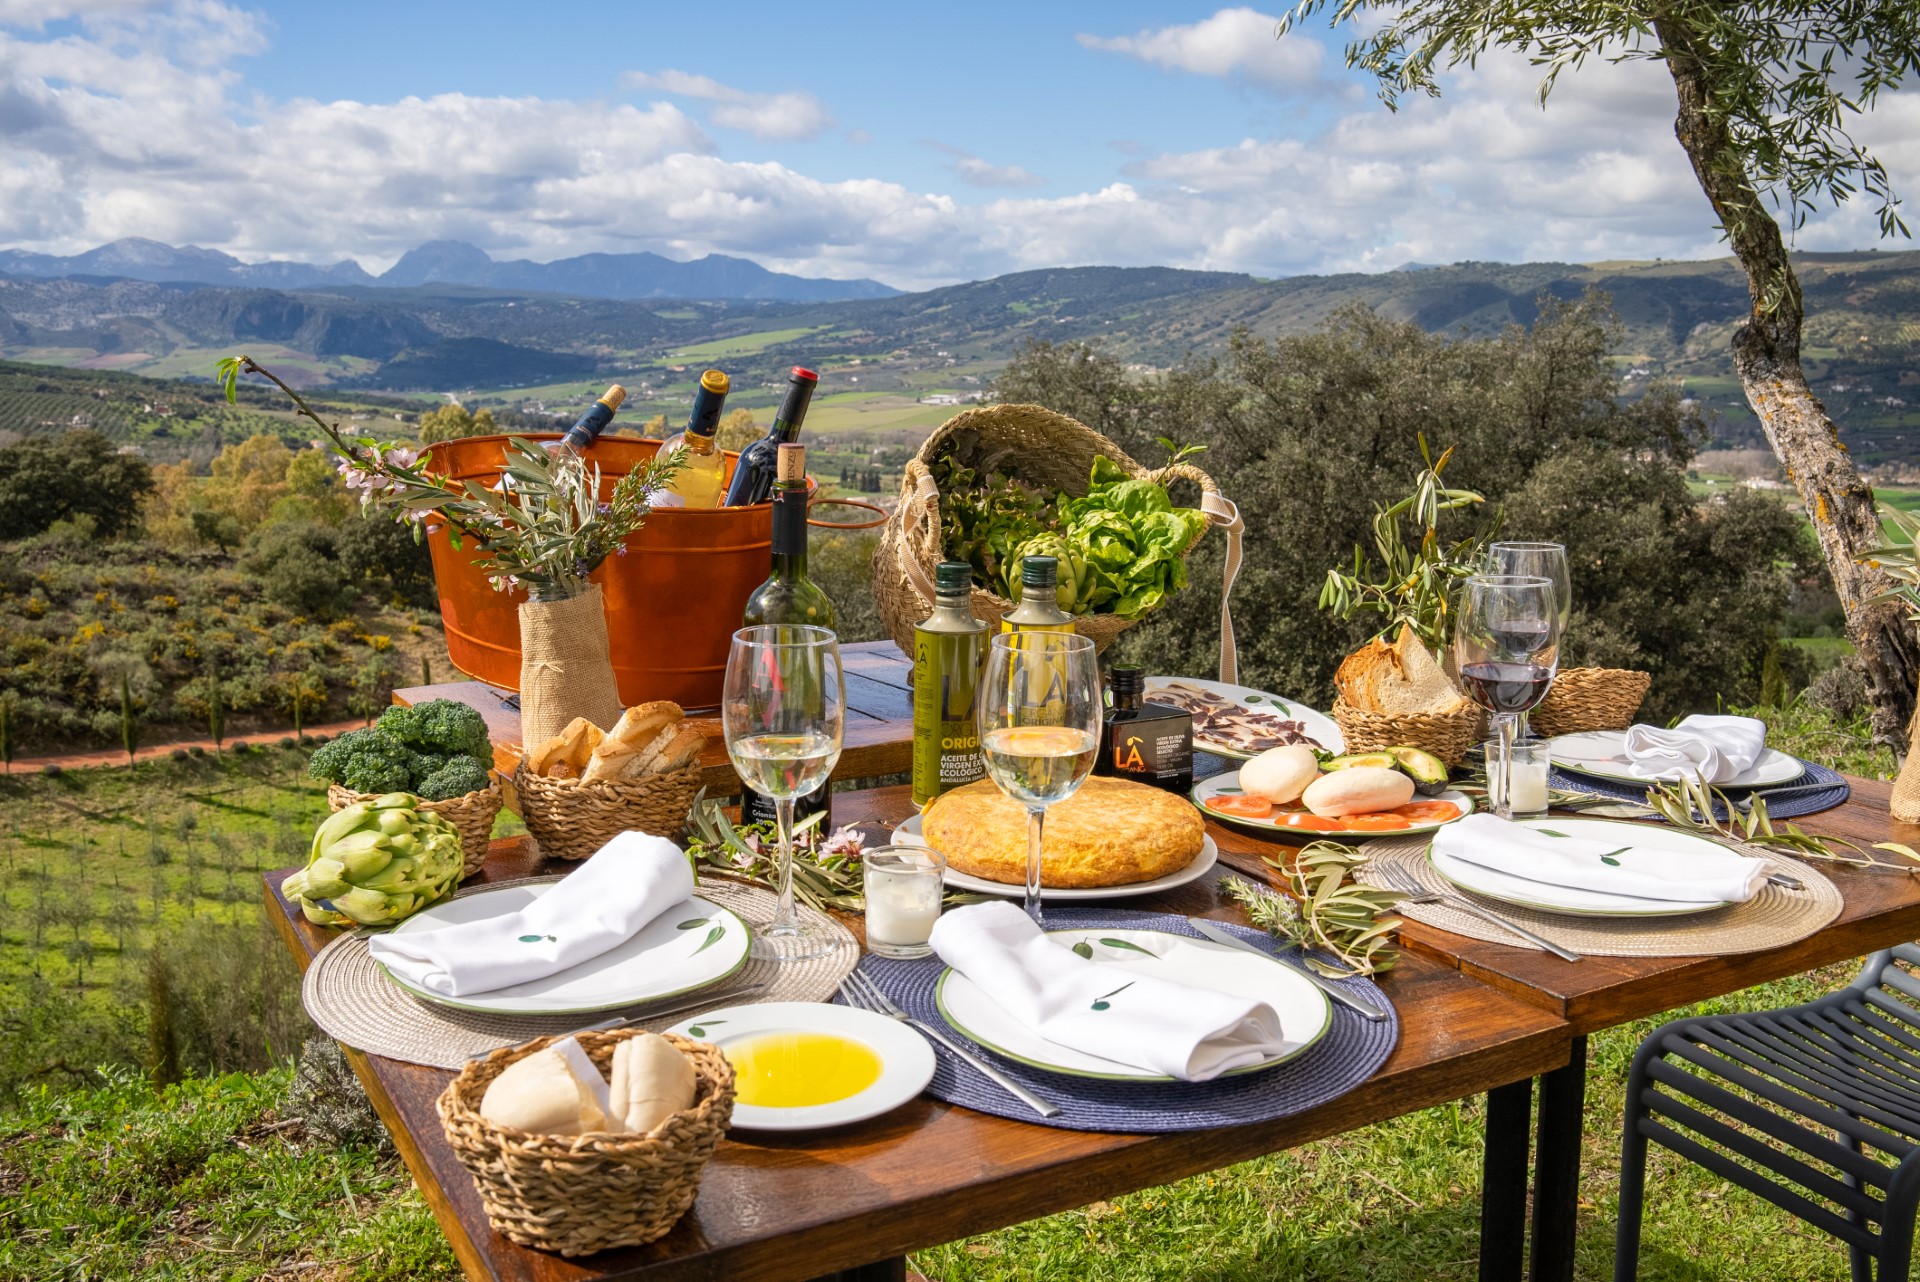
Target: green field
{"x": 198, "y": 362}
{"x": 744, "y": 344}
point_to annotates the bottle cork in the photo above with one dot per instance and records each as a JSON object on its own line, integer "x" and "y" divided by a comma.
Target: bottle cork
{"x": 792, "y": 466}
{"x": 615, "y": 395}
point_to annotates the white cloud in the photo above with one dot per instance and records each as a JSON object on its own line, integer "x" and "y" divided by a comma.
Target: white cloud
{"x": 37, "y": 13}
{"x": 774, "y": 117}
{"x": 1232, "y": 44}
{"x": 976, "y": 172}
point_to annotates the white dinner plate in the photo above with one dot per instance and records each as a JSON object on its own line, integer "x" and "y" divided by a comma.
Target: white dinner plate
{"x": 1198, "y": 963}
{"x": 1523, "y": 893}
{"x": 1228, "y": 785}
{"x": 1318, "y": 725}
{"x": 694, "y": 944}
{"x": 1603, "y": 754}
{"x": 909, "y": 834}
{"x": 906, "y": 1060}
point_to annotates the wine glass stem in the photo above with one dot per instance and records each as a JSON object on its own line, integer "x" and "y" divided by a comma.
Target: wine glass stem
{"x": 1036, "y": 817}
{"x": 785, "y": 920}
{"x": 1500, "y": 772}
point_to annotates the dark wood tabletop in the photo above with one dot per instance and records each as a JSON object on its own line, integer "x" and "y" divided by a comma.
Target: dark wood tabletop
{"x": 879, "y": 724}
{"x": 803, "y": 1206}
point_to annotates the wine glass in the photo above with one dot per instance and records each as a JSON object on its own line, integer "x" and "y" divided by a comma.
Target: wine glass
{"x": 1541, "y": 561}
{"x": 782, "y": 710}
{"x": 1507, "y": 643}
{"x": 1039, "y": 714}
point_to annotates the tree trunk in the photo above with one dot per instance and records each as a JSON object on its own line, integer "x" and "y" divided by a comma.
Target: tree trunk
{"x": 1766, "y": 355}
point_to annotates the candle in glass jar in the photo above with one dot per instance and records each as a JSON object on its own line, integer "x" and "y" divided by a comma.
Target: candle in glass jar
{"x": 903, "y": 888}
{"x": 1528, "y": 786}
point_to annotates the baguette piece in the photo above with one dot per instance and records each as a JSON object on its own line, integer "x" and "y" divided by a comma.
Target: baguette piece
{"x": 679, "y": 752}
{"x": 1401, "y": 679}
{"x": 637, "y": 732}
{"x": 570, "y": 748}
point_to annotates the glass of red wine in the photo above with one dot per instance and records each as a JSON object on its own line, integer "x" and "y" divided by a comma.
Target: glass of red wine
{"x": 1507, "y": 643}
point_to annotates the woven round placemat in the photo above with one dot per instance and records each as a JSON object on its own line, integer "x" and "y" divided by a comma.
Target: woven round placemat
{"x": 1774, "y": 917}
{"x": 1789, "y": 807}
{"x": 352, "y": 1000}
{"x": 1348, "y": 1055}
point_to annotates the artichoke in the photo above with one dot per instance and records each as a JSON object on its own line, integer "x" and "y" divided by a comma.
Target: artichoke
{"x": 1075, "y": 579}
{"x": 374, "y": 863}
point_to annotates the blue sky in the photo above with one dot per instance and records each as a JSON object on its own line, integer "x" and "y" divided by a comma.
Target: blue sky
{"x": 918, "y": 144}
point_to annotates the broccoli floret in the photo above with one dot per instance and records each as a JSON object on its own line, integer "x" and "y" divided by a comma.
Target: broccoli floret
{"x": 439, "y": 725}
{"x": 460, "y": 776}
{"x": 422, "y": 764}
{"x": 364, "y": 760}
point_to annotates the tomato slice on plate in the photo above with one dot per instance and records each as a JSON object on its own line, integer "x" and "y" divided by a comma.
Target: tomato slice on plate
{"x": 1381, "y": 821}
{"x": 1246, "y": 807}
{"x": 1429, "y": 812}
{"x": 1307, "y": 822}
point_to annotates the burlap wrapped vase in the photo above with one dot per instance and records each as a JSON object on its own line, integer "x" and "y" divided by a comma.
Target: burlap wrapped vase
{"x": 1905, "y": 803}
{"x": 566, "y": 666}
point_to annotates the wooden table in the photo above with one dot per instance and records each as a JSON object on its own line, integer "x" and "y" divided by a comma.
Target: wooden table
{"x": 850, "y": 1203}
{"x": 879, "y": 723}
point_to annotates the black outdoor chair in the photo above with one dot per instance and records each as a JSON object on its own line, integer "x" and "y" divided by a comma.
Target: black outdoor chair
{"x": 1835, "y": 1084}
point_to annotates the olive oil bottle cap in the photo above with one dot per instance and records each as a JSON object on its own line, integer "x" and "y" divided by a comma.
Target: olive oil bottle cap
{"x": 1128, "y": 680}
{"x": 953, "y": 578}
{"x": 1039, "y": 572}
{"x": 792, "y": 465}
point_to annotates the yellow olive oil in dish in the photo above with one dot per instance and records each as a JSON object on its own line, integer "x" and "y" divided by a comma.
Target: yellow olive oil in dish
{"x": 798, "y": 1069}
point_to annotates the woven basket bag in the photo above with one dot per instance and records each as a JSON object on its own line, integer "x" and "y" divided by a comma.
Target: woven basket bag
{"x": 571, "y": 819}
{"x": 1042, "y": 448}
{"x": 1446, "y": 735}
{"x": 472, "y": 813}
{"x": 577, "y": 1194}
{"x": 1590, "y": 699}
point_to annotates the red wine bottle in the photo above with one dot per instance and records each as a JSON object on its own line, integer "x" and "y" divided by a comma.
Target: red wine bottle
{"x": 753, "y": 476}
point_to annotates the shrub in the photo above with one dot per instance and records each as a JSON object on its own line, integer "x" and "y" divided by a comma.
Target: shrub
{"x": 67, "y": 477}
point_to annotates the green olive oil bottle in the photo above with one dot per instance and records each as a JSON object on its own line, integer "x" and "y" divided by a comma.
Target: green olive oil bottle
{"x": 948, "y": 651}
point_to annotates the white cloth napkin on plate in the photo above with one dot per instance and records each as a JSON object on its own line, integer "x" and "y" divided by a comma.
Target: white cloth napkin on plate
{"x": 599, "y": 905}
{"x": 1711, "y": 749}
{"x": 1615, "y": 867}
{"x": 1114, "y": 1012}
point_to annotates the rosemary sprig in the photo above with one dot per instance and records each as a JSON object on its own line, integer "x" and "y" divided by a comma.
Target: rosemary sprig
{"x": 1326, "y": 911}
{"x": 1689, "y": 804}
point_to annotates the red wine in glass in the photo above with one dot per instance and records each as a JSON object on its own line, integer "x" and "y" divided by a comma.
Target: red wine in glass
{"x": 1506, "y": 643}
{"x": 1507, "y": 687}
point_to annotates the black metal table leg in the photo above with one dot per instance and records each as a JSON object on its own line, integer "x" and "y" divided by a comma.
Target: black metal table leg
{"x": 1503, "y": 1182}
{"x": 1556, "y": 1179}
{"x": 894, "y": 1270}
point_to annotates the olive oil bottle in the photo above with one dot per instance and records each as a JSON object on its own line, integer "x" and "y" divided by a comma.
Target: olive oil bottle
{"x": 1146, "y": 742}
{"x": 1039, "y": 608}
{"x": 948, "y": 651}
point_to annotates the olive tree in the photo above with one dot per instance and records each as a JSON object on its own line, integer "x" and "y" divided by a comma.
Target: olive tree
{"x": 1766, "y": 92}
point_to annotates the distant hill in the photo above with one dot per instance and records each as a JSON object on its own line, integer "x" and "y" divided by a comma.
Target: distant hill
{"x": 449, "y": 262}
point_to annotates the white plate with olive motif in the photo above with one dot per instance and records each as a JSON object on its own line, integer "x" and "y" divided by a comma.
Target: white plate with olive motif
{"x": 692, "y": 945}
{"x": 1228, "y": 719}
{"x": 1304, "y": 1013}
{"x": 1575, "y": 901}
{"x": 1603, "y": 754}
{"x": 909, "y": 834}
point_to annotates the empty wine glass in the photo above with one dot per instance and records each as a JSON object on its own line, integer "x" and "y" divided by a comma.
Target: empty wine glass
{"x": 1039, "y": 712}
{"x": 1507, "y": 643}
{"x": 1540, "y": 561}
{"x": 782, "y": 710}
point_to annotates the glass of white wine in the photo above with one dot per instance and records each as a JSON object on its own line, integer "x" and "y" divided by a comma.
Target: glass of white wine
{"x": 783, "y": 709}
{"x": 1039, "y": 711}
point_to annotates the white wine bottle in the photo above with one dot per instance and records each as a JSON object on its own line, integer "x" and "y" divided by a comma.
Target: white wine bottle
{"x": 699, "y": 480}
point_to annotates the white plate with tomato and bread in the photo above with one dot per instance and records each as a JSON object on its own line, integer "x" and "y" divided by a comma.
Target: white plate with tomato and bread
{"x": 1295, "y": 792}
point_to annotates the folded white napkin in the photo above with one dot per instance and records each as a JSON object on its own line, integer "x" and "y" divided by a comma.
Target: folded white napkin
{"x": 1615, "y": 867}
{"x": 1711, "y": 749}
{"x": 600, "y": 905}
{"x": 1114, "y": 1012}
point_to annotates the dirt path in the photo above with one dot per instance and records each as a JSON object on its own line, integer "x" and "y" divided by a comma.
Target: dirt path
{"x": 146, "y": 752}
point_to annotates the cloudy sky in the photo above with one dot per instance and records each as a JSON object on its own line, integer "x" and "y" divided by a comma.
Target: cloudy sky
{"x": 916, "y": 144}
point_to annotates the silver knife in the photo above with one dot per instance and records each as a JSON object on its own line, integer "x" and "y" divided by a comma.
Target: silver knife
{"x": 692, "y": 1002}
{"x": 1363, "y": 1005}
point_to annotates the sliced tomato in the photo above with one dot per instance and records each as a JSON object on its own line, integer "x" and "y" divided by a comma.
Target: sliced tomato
{"x": 1380, "y": 821}
{"x": 1429, "y": 812}
{"x": 1246, "y": 807}
{"x": 1309, "y": 822}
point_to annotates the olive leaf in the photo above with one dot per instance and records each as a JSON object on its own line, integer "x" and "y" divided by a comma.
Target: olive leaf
{"x": 1325, "y": 910}
{"x": 1101, "y": 1002}
{"x": 714, "y": 936}
{"x": 693, "y": 923}
{"x": 1127, "y": 947}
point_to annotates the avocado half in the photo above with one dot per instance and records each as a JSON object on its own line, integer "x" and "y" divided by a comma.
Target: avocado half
{"x": 1428, "y": 772}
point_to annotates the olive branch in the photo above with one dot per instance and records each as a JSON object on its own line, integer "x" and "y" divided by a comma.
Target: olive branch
{"x": 1689, "y": 804}
{"x": 1325, "y": 910}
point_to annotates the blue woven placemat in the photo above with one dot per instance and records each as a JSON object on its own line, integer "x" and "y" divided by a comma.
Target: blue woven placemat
{"x": 1347, "y": 1056}
{"x": 1788, "y": 807}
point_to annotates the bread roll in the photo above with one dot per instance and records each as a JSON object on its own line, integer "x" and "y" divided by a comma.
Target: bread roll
{"x": 1280, "y": 774}
{"x": 555, "y": 1091}
{"x": 1357, "y": 790}
{"x": 623, "y": 751}
{"x": 571, "y": 747}
{"x": 1401, "y": 679}
{"x": 652, "y": 1081}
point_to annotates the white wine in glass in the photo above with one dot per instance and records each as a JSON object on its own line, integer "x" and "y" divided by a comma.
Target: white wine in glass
{"x": 1039, "y": 711}
{"x": 782, "y": 710}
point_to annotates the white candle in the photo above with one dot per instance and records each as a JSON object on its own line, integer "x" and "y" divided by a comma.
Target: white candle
{"x": 1527, "y": 787}
{"x": 901, "y": 907}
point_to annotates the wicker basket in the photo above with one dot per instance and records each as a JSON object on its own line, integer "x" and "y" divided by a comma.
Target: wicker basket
{"x": 1590, "y": 699}
{"x": 577, "y": 1194}
{"x": 1037, "y": 445}
{"x": 472, "y": 813}
{"x": 571, "y": 819}
{"x": 1445, "y": 735}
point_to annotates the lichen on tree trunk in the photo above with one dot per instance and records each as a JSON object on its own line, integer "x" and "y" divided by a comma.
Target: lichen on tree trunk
{"x": 1766, "y": 355}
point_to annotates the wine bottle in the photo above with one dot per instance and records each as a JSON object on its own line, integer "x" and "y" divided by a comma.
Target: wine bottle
{"x": 753, "y": 475}
{"x": 1148, "y": 743}
{"x": 948, "y": 651}
{"x": 698, "y": 482}
{"x": 788, "y": 595}
{"x": 593, "y": 422}
{"x": 1039, "y": 609}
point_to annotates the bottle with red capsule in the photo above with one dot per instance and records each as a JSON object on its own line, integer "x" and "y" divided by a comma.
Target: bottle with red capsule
{"x": 753, "y": 476}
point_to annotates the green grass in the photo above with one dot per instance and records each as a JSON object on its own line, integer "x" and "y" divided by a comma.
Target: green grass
{"x": 744, "y": 344}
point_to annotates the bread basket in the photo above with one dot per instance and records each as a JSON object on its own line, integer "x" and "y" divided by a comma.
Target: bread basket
{"x": 578, "y": 1194}
{"x": 571, "y": 818}
{"x": 1446, "y": 735}
{"x": 1590, "y": 699}
{"x": 471, "y": 813}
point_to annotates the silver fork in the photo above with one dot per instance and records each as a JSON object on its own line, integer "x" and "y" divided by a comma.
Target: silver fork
{"x": 1401, "y": 881}
{"x": 864, "y": 993}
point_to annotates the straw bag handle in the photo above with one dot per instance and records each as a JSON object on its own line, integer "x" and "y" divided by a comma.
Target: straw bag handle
{"x": 924, "y": 501}
{"x": 1223, "y": 512}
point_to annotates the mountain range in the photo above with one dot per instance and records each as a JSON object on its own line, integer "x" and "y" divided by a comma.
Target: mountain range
{"x": 450, "y": 262}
